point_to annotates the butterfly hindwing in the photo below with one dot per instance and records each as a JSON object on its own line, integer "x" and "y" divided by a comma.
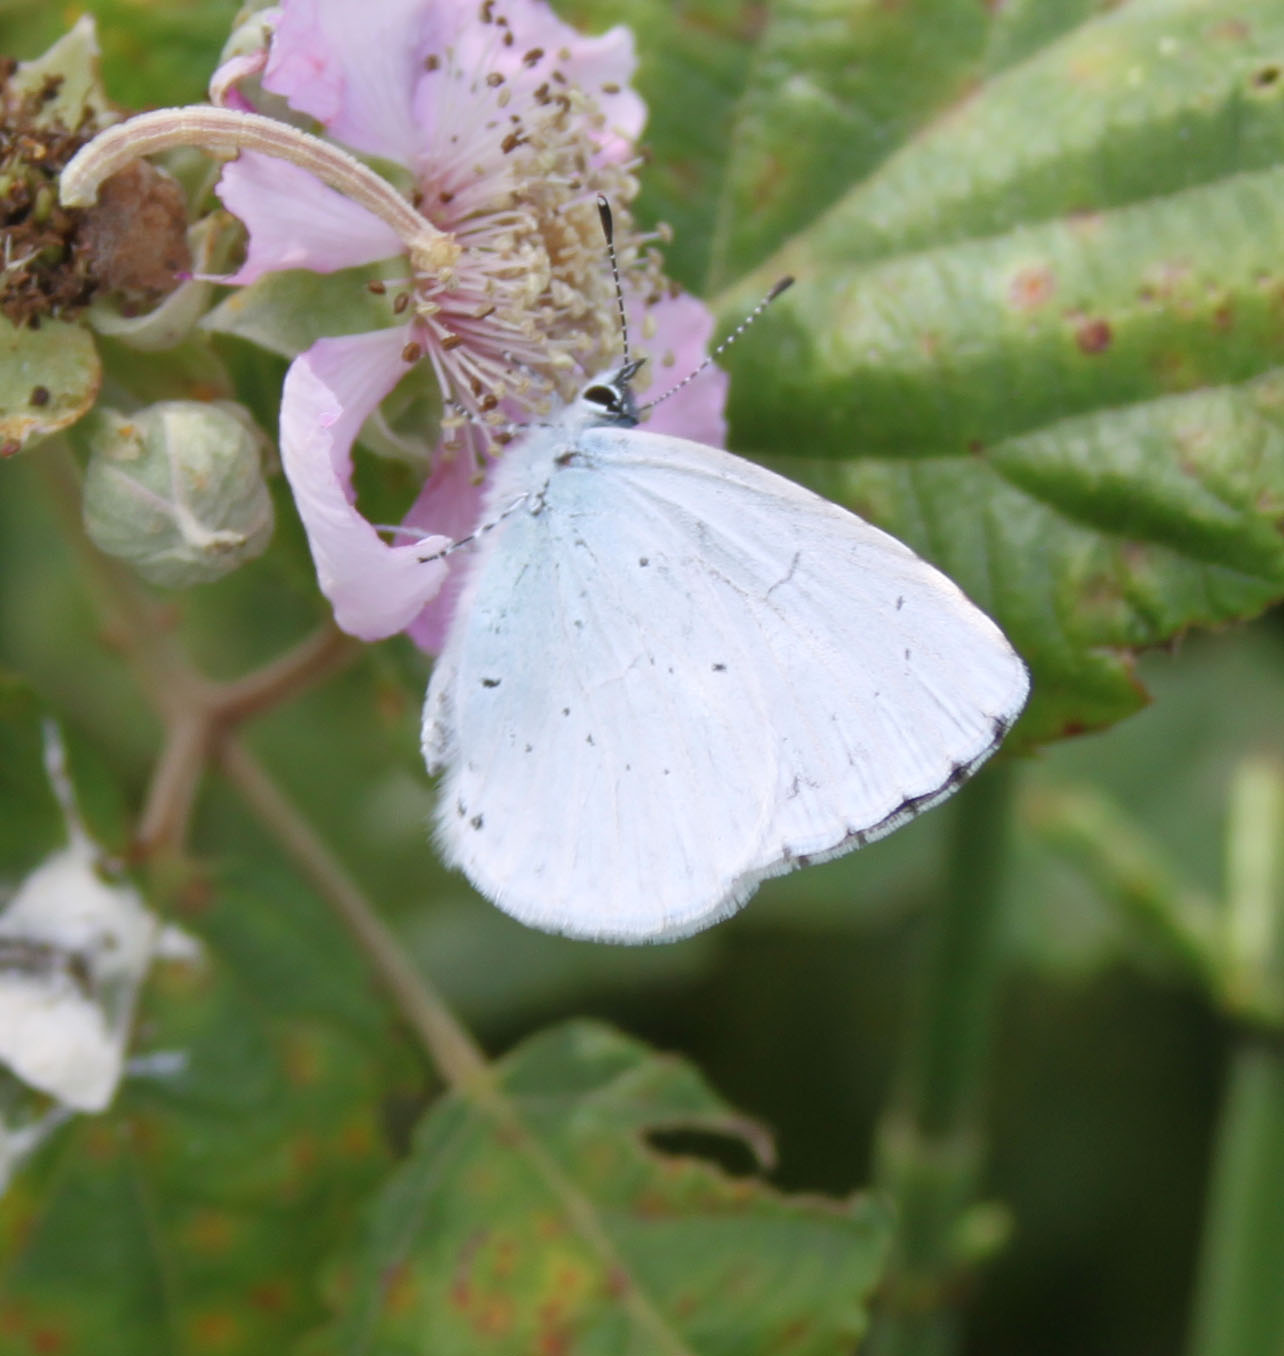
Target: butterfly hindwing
{"x": 675, "y": 673}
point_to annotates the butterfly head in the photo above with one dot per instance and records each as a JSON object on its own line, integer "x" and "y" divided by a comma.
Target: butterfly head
{"x": 609, "y": 397}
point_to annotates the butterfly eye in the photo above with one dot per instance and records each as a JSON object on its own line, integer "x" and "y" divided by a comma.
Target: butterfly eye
{"x": 604, "y": 396}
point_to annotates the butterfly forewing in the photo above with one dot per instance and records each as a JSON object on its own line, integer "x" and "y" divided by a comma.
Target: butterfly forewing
{"x": 675, "y": 673}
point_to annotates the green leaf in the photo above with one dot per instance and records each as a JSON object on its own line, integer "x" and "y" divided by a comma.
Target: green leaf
{"x": 288, "y": 312}
{"x": 1035, "y": 330}
{"x": 153, "y": 54}
{"x": 549, "y": 1223}
{"x": 49, "y": 378}
{"x": 192, "y": 1216}
{"x": 69, "y": 71}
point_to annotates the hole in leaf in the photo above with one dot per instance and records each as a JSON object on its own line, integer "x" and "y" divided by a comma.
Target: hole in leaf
{"x": 726, "y": 1151}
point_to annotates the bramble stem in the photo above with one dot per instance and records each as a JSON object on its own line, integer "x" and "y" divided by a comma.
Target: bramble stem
{"x": 225, "y": 131}
{"x": 457, "y": 1057}
{"x": 930, "y": 1141}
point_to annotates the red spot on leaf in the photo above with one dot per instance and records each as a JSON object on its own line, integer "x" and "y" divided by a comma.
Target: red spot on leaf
{"x": 303, "y": 1153}
{"x": 49, "y": 1341}
{"x": 795, "y": 1334}
{"x": 209, "y": 1232}
{"x": 461, "y": 1285}
{"x": 1233, "y": 30}
{"x": 494, "y": 1316}
{"x": 304, "y": 1063}
{"x": 550, "y": 1225}
{"x": 271, "y": 1296}
{"x": 400, "y": 1290}
{"x": 100, "y": 1142}
{"x": 216, "y": 1330}
{"x": 570, "y": 1280}
{"x": 1031, "y": 287}
{"x": 356, "y": 1139}
{"x": 1093, "y": 336}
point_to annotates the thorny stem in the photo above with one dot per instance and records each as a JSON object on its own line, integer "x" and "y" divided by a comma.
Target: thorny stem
{"x": 176, "y": 779}
{"x": 212, "y": 711}
{"x": 196, "y": 737}
{"x": 453, "y": 1050}
{"x": 225, "y": 131}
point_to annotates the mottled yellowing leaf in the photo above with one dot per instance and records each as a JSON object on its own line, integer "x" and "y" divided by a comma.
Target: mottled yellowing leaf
{"x": 49, "y": 378}
{"x": 557, "y": 1225}
{"x": 192, "y": 1216}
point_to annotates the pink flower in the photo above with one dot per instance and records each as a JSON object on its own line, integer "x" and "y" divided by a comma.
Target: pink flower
{"x": 506, "y": 124}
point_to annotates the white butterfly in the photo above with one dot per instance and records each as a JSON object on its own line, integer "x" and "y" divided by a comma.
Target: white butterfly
{"x": 672, "y": 673}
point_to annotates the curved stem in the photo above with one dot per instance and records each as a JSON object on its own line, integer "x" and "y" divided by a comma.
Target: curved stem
{"x": 162, "y": 826}
{"x": 453, "y": 1050}
{"x": 228, "y": 130}
{"x": 317, "y": 655}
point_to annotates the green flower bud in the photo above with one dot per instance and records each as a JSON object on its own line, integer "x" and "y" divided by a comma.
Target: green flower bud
{"x": 177, "y": 490}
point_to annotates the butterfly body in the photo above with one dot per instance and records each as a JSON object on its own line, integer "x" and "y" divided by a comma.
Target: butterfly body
{"x": 672, "y": 674}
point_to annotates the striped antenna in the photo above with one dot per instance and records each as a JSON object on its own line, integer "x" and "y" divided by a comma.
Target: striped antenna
{"x": 608, "y": 230}
{"x": 735, "y": 334}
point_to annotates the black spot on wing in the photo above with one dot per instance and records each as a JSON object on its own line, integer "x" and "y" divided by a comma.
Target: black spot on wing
{"x": 477, "y": 821}
{"x": 490, "y": 682}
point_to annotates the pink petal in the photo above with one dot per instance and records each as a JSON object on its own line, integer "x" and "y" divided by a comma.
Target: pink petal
{"x": 450, "y": 504}
{"x": 223, "y": 83}
{"x": 353, "y": 67}
{"x": 296, "y": 221}
{"x": 608, "y": 60}
{"x": 375, "y": 589}
{"x": 592, "y": 63}
{"x": 683, "y": 329}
